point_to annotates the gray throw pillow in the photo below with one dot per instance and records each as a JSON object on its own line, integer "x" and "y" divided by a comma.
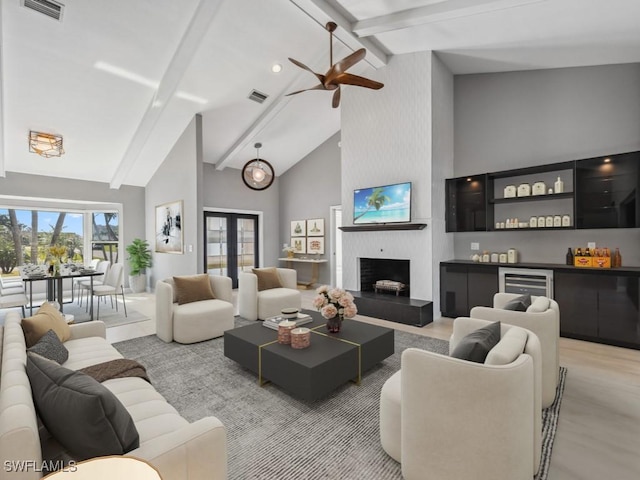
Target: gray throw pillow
{"x": 519, "y": 304}
{"x": 49, "y": 346}
{"x": 82, "y": 414}
{"x": 475, "y": 346}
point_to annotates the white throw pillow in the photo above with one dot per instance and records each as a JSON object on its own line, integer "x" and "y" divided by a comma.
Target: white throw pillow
{"x": 539, "y": 305}
{"x": 510, "y": 346}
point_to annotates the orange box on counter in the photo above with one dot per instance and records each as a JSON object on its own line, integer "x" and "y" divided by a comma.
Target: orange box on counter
{"x": 583, "y": 261}
{"x": 601, "y": 262}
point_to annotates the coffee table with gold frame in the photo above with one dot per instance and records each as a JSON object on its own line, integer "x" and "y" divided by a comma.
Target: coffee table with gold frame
{"x": 311, "y": 373}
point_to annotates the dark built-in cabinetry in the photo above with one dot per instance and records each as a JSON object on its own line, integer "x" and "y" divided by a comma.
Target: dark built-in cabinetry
{"x": 599, "y": 305}
{"x": 599, "y": 192}
{"x": 463, "y": 286}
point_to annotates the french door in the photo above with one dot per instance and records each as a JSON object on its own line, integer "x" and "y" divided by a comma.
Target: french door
{"x": 231, "y": 241}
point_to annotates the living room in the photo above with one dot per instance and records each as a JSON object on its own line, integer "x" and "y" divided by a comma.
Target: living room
{"x": 426, "y": 125}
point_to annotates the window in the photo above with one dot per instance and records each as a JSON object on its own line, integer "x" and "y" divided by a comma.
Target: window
{"x": 105, "y": 234}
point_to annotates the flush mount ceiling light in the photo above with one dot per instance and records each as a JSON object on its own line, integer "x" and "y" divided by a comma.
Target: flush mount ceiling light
{"x": 45, "y": 144}
{"x": 258, "y": 174}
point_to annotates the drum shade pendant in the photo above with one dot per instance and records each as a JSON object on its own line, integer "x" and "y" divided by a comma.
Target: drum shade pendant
{"x": 258, "y": 174}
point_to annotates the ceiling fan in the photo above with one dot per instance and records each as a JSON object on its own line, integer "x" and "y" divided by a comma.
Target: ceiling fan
{"x": 337, "y": 74}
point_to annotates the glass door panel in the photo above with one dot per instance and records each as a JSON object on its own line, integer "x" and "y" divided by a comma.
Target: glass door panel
{"x": 232, "y": 244}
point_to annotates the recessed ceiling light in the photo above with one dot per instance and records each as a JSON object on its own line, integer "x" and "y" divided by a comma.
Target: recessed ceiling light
{"x": 276, "y": 68}
{"x": 607, "y": 160}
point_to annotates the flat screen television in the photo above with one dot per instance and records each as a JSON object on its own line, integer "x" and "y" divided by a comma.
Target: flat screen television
{"x": 384, "y": 204}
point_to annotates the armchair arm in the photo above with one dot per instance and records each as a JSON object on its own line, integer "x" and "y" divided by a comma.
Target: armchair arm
{"x": 500, "y": 299}
{"x": 194, "y": 452}
{"x": 95, "y": 328}
{"x": 164, "y": 311}
{"x": 288, "y": 277}
{"x": 471, "y": 409}
{"x": 222, "y": 287}
{"x": 248, "y": 295}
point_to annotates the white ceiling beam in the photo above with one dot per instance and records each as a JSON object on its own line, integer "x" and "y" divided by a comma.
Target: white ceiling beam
{"x": 187, "y": 48}
{"x": 432, "y": 13}
{"x": 3, "y": 173}
{"x": 321, "y": 12}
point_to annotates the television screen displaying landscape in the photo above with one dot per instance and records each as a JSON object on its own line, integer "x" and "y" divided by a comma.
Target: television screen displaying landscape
{"x": 385, "y": 204}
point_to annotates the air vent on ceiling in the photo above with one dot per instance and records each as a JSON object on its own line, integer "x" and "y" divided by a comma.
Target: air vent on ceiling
{"x": 46, "y": 7}
{"x": 257, "y": 96}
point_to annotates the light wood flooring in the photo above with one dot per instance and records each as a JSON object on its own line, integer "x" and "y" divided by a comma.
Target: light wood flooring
{"x": 598, "y": 434}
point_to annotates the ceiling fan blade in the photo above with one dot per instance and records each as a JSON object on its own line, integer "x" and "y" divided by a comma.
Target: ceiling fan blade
{"x": 317, "y": 87}
{"x": 336, "y": 98}
{"x": 304, "y": 67}
{"x": 350, "y": 79}
{"x": 342, "y": 66}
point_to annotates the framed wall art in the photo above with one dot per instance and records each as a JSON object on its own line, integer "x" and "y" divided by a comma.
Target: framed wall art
{"x": 169, "y": 236}
{"x": 315, "y": 227}
{"x": 298, "y": 228}
{"x": 315, "y": 245}
{"x": 299, "y": 244}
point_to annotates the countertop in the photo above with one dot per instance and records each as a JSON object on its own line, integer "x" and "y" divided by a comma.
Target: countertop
{"x": 547, "y": 266}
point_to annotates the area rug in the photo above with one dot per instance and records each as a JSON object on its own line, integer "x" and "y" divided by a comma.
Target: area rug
{"x": 108, "y": 315}
{"x": 274, "y": 436}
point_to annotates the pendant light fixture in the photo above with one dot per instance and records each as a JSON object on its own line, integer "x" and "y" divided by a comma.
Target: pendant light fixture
{"x": 258, "y": 174}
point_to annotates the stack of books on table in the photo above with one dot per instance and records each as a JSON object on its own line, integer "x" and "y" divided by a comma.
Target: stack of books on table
{"x": 273, "y": 322}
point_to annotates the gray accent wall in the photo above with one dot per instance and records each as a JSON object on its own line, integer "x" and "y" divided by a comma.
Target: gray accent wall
{"x": 224, "y": 189}
{"x": 307, "y": 190}
{"x": 176, "y": 179}
{"x": 512, "y": 120}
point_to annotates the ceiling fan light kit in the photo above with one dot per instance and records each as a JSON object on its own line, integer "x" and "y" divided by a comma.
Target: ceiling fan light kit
{"x": 45, "y": 144}
{"x": 337, "y": 74}
{"x": 258, "y": 174}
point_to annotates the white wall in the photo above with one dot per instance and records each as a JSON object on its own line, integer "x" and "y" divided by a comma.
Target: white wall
{"x": 177, "y": 179}
{"x": 386, "y": 138}
{"x": 518, "y": 119}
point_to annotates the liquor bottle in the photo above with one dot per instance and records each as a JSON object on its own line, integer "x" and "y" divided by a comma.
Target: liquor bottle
{"x": 616, "y": 261}
{"x": 578, "y": 252}
{"x": 569, "y": 257}
{"x": 587, "y": 253}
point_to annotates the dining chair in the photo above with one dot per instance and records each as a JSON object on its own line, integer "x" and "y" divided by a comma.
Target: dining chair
{"x": 112, "y": 286}
{"x": 102, "y": 267}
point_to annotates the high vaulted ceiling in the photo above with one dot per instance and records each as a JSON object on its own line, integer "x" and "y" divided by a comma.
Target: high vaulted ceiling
{"x": 120, "y": 80}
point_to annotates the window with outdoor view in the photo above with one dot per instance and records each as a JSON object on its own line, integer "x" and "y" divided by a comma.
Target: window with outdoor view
{"x": 26, "y": 236}
{"x": 105, "y": 232}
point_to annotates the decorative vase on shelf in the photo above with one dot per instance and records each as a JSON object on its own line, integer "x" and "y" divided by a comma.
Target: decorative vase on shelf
{"x": 334, "y": 324}
{"x": 290, "y": 254}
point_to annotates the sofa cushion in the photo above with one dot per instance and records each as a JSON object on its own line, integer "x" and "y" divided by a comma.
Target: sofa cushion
{"x": 519, "y": 304}
{"x": 49, "y": 346}
{"x": 46, "y": 318}
{"x": 267, "y": 278}
{"x": 475, "y": 346}
{"x": 539, "y": 305}
{"x": 510, "y": 347}
{"x": 84, "y": 416}
{"x": 193, "y": 288}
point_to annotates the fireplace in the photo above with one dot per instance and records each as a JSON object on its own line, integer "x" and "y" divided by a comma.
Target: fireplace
{"x": 374, "y": 270}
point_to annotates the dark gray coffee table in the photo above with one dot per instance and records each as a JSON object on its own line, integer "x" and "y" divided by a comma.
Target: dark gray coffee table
{"x": 331, "y": 360}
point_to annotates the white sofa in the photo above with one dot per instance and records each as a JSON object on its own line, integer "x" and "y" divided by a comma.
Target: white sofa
{"x": 254, "y": 304}
{"x": 178, "y": 449}
{"x": 545, "y": 324}
{"x": 457, "y": 419}
{"x": 195, "y": 321}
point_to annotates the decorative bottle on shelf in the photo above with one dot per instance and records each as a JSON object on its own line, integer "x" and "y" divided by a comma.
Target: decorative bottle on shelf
{"x": 578, "y": 252}
{"x": 558, "y": 187}
{"x": 616, "y": 261}
{"x": 569, "y": 257}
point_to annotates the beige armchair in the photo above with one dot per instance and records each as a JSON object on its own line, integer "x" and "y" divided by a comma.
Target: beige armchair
{"x": 458, "y": 419}
{"x": 545, "y": 324}
{"x": 255, "y": 303}
{"x": 194, "y": 321}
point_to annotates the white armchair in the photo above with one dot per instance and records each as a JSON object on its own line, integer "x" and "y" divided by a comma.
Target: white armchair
{"x": 458, "y": 419}
{"x": 194, "y": 321}
{"x": 545, "y": 324}
{"x": 254, "y": 304}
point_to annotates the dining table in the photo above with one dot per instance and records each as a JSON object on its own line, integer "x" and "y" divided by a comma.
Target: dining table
{"x": 54, "y": 287}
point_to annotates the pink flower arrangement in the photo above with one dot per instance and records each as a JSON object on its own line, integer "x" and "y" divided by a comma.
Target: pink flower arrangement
{"x": 334, "y": 301}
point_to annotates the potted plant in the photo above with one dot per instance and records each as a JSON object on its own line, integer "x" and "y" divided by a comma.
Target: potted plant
{"x": 139, "y": 260}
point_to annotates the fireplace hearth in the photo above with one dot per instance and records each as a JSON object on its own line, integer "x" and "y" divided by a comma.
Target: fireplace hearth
{"x": 385, "y": 275}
